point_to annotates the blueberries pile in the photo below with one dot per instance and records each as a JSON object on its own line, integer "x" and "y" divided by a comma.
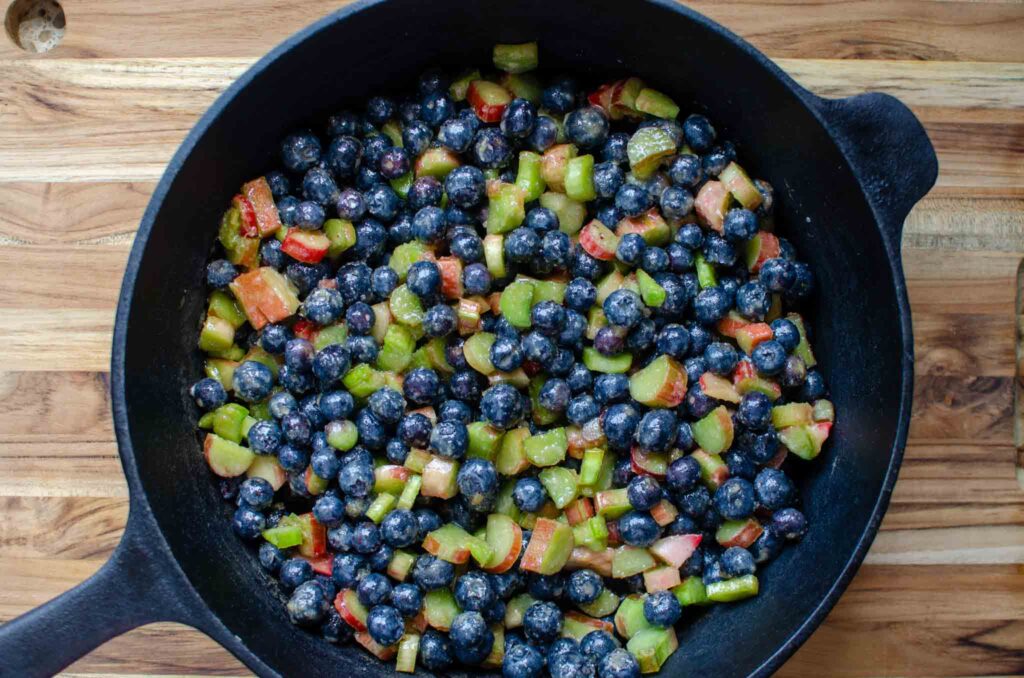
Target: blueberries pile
{"x": 304, "y": 411}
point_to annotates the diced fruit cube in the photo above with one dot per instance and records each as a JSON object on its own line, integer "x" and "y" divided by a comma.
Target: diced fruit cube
{"x": 657, "y": 104}
{"x": 561, "y": 483}
{"x": 385, "y": 654}
{"x": 599, "y": 241}
{"x": 614, "y": 364}
{"x": 267, "y": 467}
{"x": 505, "y": 538}
{"x": 529, "y": 178}
{"x": 516, "y": 58}
{"x": 762, "y": 247}
{"x": 653, "y": 294}
{"x": 713, "y": 469}
{"x": 451, "y": 276}
{"x": 440, "y": 609}
{"x": 629, "y": 560}
{"x": 647, "y": 148}
{"x": 511, "y": 459}
{"x": 691, "y": 592}
{"x": 265, "y": 296}
{"x": 408, "y": 649}
{"x": 579, "y": 178}
{"x": 652, "y": 647}
{"x": 516, "y": 303}
{"x": 612, "y": 503}
{"x": 741, "y": 187}
{"x": 741, "y": 533}
{"x": 516, "y": 608}
{"x": 718, "y": 388}
{"x": 731, "y": 324}
{"x": 624, "y": 97}
{"x": 555, "y": 164}
{"x": 792, "y": 414}
{"x": 309, "y": 247}
{"x": 571, "y": 214}
{"x": 629, "y": 618}
{"x": 662, "y": 383}
{"x": 484, "y": 440}
{"x": 546, "y": 449}
{"x": 400, "y": 565}
{"x": 578, "y": 510}
{"x": 550, "y": 547}
{"x": 661, "y": 579}
{"x": 731, "y": 590}
{"x": 351, "y": 610}
{"x": 598, "y": 561}
{"x": 459, "y": 87}
{"x": 711, "y": 204}
{"x": 506, "y": 209}
{"x": 714, "y": 433}
{"x": 449, "y": 542}
{"x": 664, "y": 512}
{"x": 390, "y": 478}
{"x": 576, "y": 625}
{"x": 607, "y": 603}
{"x": 649, "y": 463}
{"x": 675, "y": 550}
{"x": 650, "y": 226}
{"x": 753, "y": 334}
{"x": 225, "y": 458}
{"x": 283, "y": 537}
{"x": 436, "y": 162}
{"x": 440, "y": 478}
{"x": 488, "y": 100}
{"x": 803, "y": 349}
{"x": 823, "y": 411}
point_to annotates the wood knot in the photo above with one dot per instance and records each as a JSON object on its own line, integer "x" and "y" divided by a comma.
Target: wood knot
{"x": 35, "y": 25}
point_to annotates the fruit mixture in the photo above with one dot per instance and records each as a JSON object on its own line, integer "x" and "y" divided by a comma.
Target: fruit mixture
{"x": 506, "y": 374}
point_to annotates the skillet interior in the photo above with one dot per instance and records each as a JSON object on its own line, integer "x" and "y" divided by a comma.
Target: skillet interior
{"x": 822, "y": 211}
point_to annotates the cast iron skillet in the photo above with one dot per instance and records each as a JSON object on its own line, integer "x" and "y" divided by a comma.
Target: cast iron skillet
{"x": 846, "y": 174}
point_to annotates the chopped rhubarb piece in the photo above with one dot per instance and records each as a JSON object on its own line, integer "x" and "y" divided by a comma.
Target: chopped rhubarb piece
{"x": 440, "y": 478}
{"x": 662, "y": 383}
{"x": 488, "y": 100}
{"x": 385, "y": 654}
{"x": 576, "y": 625}
{"x": 505, "y": 538}
{"x": 629, "y": 618}
{"x": 718, "y": 388}
{"x": 731, "y": 324}
{"x": 749, "y": 336}
{"x": 309, "y": 247}
{"x": 664, "y": 512}
{"x": 451, "y": 276}
{"x": 261, "y": 200}
{"x": 761, "y": 248}
{"x": 351, "y": 610}
{"x": 448, "y": 542}
{"x": 649, "y": 463}
{"x": 740, "y": 533}
{"x": 248, "y": 227}
{"x": 321, "y": 564}
{"x": 714, "y": 433}
{"x": 598, "y": 561}
{"x": 579, "y": 510}
{"x": 711, "y": 204}
{"x": 650, "y": 226}
{"x": 661, "y": 579}
{"x": 550, "y": 547}
{"x": 599, "y": 241}
{"x": 677, "y": 549}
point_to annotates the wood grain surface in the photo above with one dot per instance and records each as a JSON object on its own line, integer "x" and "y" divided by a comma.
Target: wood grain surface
{"x": 86, "y": 130}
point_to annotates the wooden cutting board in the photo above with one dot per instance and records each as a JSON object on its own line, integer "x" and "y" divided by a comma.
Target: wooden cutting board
{"x": 85, "y": 132}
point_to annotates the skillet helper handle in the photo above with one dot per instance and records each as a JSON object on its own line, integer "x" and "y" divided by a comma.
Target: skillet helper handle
{"x": 128, "y": 591}
{"x": 890, "y": 151}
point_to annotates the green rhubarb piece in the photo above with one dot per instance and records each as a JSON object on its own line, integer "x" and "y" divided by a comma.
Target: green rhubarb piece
{"x": 382, "y": 505}
{"x": 647, "y": 148}
{"x": 477, "y": 351}
{"x": 283, "y": 537}
{"x": 484, "y": 440}
{"x": 561, "y": 483}
{"x": 713, "y": 469}
{"x": 234, "y": 353}
{"x": 571, "y": 213}
{"x": 505, "y": 210}
{"x": 437, "y": 355}
{"x": 705, "y": 272}
{"x": 406, "y": 307}
{"x": 226, "y": 458}
{"x": 410, "y": 491}
{"x": 258, "y": 355}
{"x": 221, "y": 370}
{"x": 798, "y": 440}
{"x": 362, "y": 381}
{"x": 501, "y": 535}
{"x": 823, "y": 411}
{"x": 549, "y": 548}
{"x": 575, "y": 628}
{"x": 630, "y": 618}
{"x": 608, "y": 364}
{"x": 400, "y": 565}
{"x": 315, "y": 485}
{"x": 389, "y": 478}
{"x": 239, "y": 249}
{"x": 592, "y": 533}
{"x": 657, "y": 104}
{"x": 437, "y": 163}
{"x": 511, "y": 459}
{"x": 408, "y": 649}
{"x": 393, "y": 131}
{"x": 396, "y": 351}
{"x": 505, "y": 504}
{"x": 595, "y": 321}
{"x": 741, "y": 187}
{"x": 440, "y": 608}
{"x": 342, "y": 235}
{"x": 528, "y": 177}
{"x": 612, "y": 503}
{"x": 405, "y": 255}
{"x": 217, "y": 335}
{"x": 206, "y": 421}
{"x": 608, "y": 284}
{"x": 330, "y": 335}
{"x": 590, "y": 469}
{"x": 652, "y": 647}
{"x": 731, "y": 529}
{"x": 516, "y": 302}
{"x": 516, "y": 609}
{"x": 228, "y": 420}
{"x": 607, "y": 603}
{"x": 451, "y": 542}
{"x": 731, "y": 590}
{"x": 494, "y": 255}
{"x": 548, "y": 448}
{"x": 714, "y": 433}
{"x": 247, "y": 424}
{"x": 691, "y": 592}
{"x": 542, "y": 416}
{"x": 792, "y": 414}
{"x": 516, "y": 58}
{"x": 481, "y": 551}
{"x": 548, "y": 290}
{"x": 417, "y": 460}
{"x": 579, "y": 178}
{"x": 629, "y": 560}
{"x": 458, "y": 89}
{"x": 342, "y": 435}
{"x": 803, "y": 349}
{"x": 523, "y": 86}
{"x": 652, "y": 293}
{"x": 604, "y": 477}
{"x": 402, "y": 184}
{"x": 224, "y": 306}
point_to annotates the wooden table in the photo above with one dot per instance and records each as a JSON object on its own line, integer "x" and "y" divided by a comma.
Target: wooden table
{"x": 85, "y": 132}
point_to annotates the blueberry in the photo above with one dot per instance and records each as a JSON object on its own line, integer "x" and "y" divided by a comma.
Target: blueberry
{"x": 769, "y": 357}
{"x": 587, "y": 127}
{"x": 699, "y": 133}
{"x": 630, "y": 249}
{"x": 716, "y": 159}
{"x": 436, "y": 108}
{"x": 424, "y": 279}
{"x": 609, "y": 388}
{"x": 478, "y": 483}
{"x": 308, "y": 604}
{"x": 580, "y": 379}
{"x": 394, "y": 163}
{"x": 281, "y": 403}
{"x": 331, "y": 363}
{"x": 753, "y": 300}
{"x": 662, "y": 609}
{"x": 348, "y": 568}
{"x": 491, "y": 149}
{"x": 365, "y": 537}
{"x": 529, "y": 495}
{"x": 544, "y": 134}
{"x": 580, "y": 295}
{"x": 354, "y": 282}
{"x": 740, "y": 225}
{"x": 684, "y": 436}
{"x": 582, "y": 409}
{"x": 654, "y": 260}
{"x": 356, "y": 479}
{"x": 467, "y": 246}
{"x": 559, "y": 96}
{"x": 363, "y": 349}
{"x": 294, "y": 572}
{"x": 619, "y": 424}
{"x": 734, "y": 500}
{"x": 813, "y": 388}
{"x": 573, "y": 329}
{"x": 428, "y": 225}
{"x": 786, "y": 333}
{"x": 373, "y": 589}
{"x": 473, "y": 592}
{"x": 766, "y": 547}
{"x": 643, "y": 492}
{"x": 773, "y": 489}
{"x": 351, "y": 205}
{"x": 547, "y": 317}
{"x": 638, "y": 529}
{"x": 208, "y": 393}
{"x": 586, "y": 266}
{"x": 465, "y": 186}
{"x": 476, "y": 279}
{"x": 518, "y": 119}
{"x": 686, "y": 171}
{"x": 720, "y": 358}
{"x": 435, "y": 651}
{"x": 323, "y": 306}
{"x": 695, "y": 502}
{"x": 673, "y": 340}
{"x": 381, "y": 203}
{"x": 711, "y": 305}
{"x": 754, "y": 411}
{"x": 271, "y": 557}
{"x": 385, "y": 625}
{"x": 432, "y": 573}
{"x": 555, "y": 249}
{"x": 300, "y": 151}
{"x": 542, "y": 622}
{"x": 803, "y": 282}
{"x": 737, "y": 562}
{"x": 623, "y": 308}
{"x": 522, "y": 661}
{"x": 656, "y": 431}
{"x": 255, "y": 493}
{"x": 633, "y": 200}
{"x": 676, "y": 202}
{"x": 439, "y": 321}
{"x": 387, "y": 405}
{"x": 309, "y": 215}
{"x": 608, "y": 179}
{"x": 570, "y": 665}
{"x": 449, "y": 439}
{"x": 501, "y": 404}
{"x": 407, "y": 599}
{"x": 760, "y": 447}
{"x": 522, "y": 245}
{"x": 777, "y": 275}
{"x": 252, "y": 381}
{"x": 554, "y": 395}
{"x": 598, "y": 644}
{"x": 219, "y": 273}
{"x": 274, "y": 338}
{"x": 583, "y": 586}
{"x": 718, "y": 250}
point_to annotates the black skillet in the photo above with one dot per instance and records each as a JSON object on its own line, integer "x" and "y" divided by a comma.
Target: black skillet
{"x": 846, "y": 174}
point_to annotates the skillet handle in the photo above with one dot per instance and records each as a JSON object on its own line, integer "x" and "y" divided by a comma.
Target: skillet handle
{"x": 890, "y": 151}
{"x": 129, "y": 590}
